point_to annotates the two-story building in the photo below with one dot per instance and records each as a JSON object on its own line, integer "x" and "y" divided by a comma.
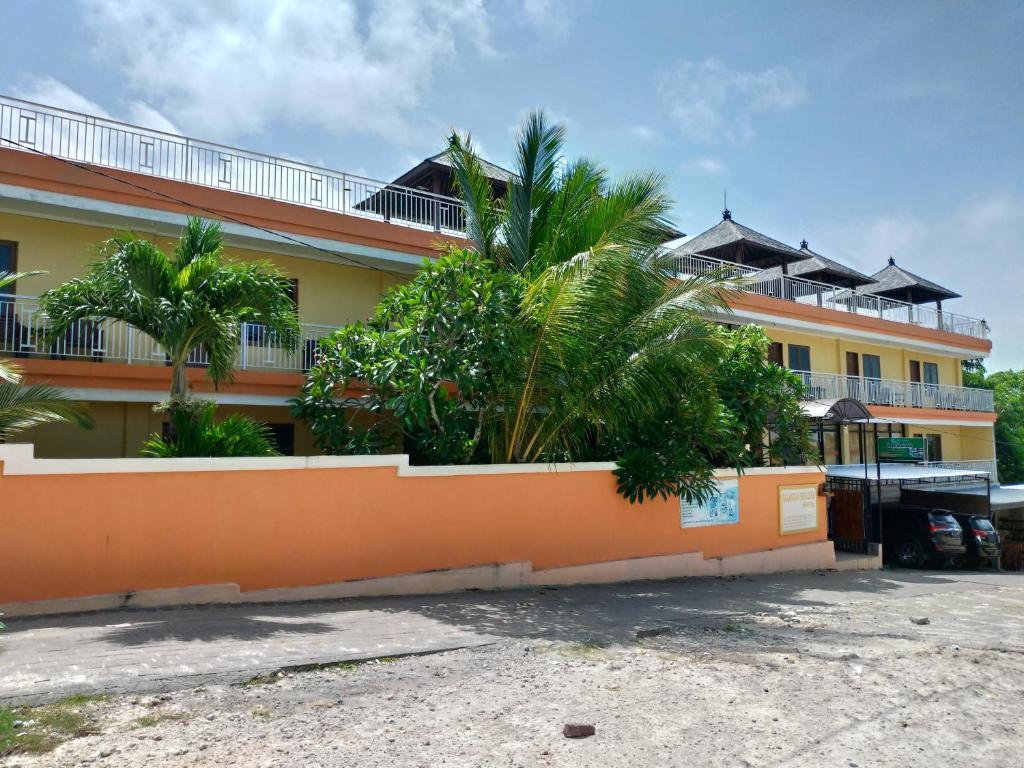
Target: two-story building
{"x": 67, "y": 181}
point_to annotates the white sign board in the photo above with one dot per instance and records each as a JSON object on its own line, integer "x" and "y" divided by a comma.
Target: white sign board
{"x": 798, "y": 508}
{"x": 723, "y": 508}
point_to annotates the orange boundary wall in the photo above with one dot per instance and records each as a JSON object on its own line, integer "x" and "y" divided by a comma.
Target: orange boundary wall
{"x": 75, "y": 528}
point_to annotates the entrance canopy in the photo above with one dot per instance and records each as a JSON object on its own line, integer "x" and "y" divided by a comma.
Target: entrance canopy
{"x": 901, "y": 473}
{"x": 841, "y": 411}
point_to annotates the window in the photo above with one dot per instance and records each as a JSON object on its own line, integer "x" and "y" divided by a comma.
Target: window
{"x": 799, "y": 357}
{"x": 933, "y": 447}
{"x": 872, "y": 367}
{"x": 8, "y": 263}
{"x": 931, "y": 373}
{"x": 775, "y": 353}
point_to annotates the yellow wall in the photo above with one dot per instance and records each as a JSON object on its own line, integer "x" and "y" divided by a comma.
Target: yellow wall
{"x": 959, "y": 443}
{"x": 120, "y": 429}
{"x": 828, "y": 355}
{"x": 329, "y": 293}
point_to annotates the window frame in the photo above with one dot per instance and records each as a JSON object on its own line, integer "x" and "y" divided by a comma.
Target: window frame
{"x": 12, "y": 289}
{"x": 800, "y": 350}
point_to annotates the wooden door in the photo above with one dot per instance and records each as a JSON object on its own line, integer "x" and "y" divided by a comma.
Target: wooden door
{"x": 915, "y": 371}
{"x": 852, "y": 364}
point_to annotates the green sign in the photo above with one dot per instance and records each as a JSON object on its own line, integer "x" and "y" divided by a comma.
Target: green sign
{"x": 901, "y": 449}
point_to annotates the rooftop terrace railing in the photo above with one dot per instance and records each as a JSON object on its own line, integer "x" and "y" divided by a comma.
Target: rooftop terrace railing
{"x": 112, "y": 144}
{"x": 803, "y": 291}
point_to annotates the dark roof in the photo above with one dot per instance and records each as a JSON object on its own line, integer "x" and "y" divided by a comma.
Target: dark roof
{"x": 823, "y": 270}
{"x": 492, "y": 171}
{"x": 896, "y": 282}
{"x": 728, "y": 232}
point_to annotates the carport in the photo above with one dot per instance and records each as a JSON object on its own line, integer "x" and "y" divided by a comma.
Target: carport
{"x": 859, "y": 493}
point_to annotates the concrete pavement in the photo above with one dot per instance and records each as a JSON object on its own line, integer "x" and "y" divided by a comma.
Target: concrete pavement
{"x": 149, "y": 651}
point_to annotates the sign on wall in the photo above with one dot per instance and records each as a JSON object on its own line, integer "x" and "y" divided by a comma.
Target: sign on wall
{"x": 901, "y": 449}
{"x": 723, "y": 508}
{"x": 798, "y": 509}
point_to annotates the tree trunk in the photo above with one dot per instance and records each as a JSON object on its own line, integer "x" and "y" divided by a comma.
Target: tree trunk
{"x": 179, "y": 394}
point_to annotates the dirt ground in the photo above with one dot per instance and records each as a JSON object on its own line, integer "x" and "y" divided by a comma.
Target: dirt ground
{"x": 859, "y": 684}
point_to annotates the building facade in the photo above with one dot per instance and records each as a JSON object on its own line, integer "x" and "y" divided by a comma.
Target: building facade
{"x": 68, "y": 181}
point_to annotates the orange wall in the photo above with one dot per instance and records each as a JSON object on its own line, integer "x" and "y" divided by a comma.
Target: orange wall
{"x": 71, "y": 535}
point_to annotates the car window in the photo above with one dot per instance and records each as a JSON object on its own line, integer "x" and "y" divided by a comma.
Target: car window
{"x": 943, "y": 519}
{"x": 982, "y": 524}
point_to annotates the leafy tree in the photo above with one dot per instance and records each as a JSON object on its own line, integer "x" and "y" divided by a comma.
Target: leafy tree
{"x": 720, "y": 419}
{"x": 1008, "y": 388}
{"x": 189, "y": 300}
{"x": 22, "y": 407}
{"x": 432, "y": 357}
{"x": 197, "y": 433}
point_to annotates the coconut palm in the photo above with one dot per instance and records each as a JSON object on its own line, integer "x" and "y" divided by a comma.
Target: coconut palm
{"x": 192, "y": 299}
{"x": 553, "y": 209}
{"x": 22, "y": 407}
{"x": 611, "y": 330}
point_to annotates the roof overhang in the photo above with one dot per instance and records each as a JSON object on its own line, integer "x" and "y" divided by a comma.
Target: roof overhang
{"x": 844, "y": 410}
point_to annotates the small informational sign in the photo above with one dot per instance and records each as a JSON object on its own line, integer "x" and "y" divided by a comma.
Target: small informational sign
{"x": 723, "y": 508}
{"x": 901, "y": 449}
{"x": 798, "y": 509}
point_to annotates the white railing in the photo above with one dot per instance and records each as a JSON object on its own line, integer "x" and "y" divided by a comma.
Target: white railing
{"x": 968, "y": 465}
{"x": 111, "y": 144}
{"x": 832, "y": 297}
{"x": 23, "y": 332}
{"x": 900, "y": 394}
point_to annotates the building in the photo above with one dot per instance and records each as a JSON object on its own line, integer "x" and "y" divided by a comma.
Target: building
{"x": 872, "y": 339}
{"x": 68, "y": 180}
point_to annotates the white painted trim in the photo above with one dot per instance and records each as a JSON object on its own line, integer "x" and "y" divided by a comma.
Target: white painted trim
{"x": 19, "y": 459}
{"x": 88, "y": 211}
{"x": 830, "y": 331}
{"x": 101, "y": 395}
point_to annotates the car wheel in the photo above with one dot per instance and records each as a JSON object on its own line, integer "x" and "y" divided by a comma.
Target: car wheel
{"x": 911, "y": 555}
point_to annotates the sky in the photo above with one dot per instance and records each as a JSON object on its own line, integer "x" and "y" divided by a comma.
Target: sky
{"x": 871, "y": 129}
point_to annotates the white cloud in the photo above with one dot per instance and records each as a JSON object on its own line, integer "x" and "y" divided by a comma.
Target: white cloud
{"x": 549, "y": 17}
{"x": 642, "y": 133}
{"x": 234, "y": 67}
{"x": 711, "y": 102}
{"x": 53, "y": 93}
{"x": 703, "y": 166}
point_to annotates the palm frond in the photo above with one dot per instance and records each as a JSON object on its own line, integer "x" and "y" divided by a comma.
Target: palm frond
{"x": 25, "y": 407}
{"x": 475, "y": 188}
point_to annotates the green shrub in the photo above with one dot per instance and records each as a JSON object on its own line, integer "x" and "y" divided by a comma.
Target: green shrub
{"x": 194, "y": 432}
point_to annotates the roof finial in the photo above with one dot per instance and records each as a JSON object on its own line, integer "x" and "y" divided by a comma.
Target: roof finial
{"x": 892, "y": 262}
{"x": 803, "y": 244}
{"x": 726, "y": 213}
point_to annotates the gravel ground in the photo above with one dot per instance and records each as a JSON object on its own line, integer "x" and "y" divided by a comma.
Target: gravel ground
{"x": 853, "y": 685}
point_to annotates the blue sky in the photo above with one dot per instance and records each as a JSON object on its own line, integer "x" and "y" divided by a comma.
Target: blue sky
{"x": 872, "y": 129}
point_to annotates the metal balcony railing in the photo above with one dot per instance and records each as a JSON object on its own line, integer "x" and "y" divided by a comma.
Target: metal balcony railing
{"x": 832, "y": 297}
{"x": 111, "y": 144}
{"x": 23, "y": 330}
{"x": 899, "y": 394}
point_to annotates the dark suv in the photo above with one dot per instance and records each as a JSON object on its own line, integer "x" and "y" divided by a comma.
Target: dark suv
{"x": 913, "y": 537}
{"x": 981, "y": 539}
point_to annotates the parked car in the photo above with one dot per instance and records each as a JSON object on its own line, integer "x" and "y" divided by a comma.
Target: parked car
{"x": 982, "y": 540}
{"x": 913, "y": 537}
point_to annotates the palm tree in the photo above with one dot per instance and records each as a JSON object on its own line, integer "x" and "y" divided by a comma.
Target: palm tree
{"x": 22, "y": 407}
{"x": 186, "y": 301}
{"x": 611, "y": 330}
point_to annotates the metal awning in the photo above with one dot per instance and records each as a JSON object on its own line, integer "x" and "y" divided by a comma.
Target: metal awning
{"x": 842, "y": 411}
{"x": 895, "y": 473}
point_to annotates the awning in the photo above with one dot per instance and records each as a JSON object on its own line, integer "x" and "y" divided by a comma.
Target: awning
{"x": 841, "y": 411}
{"x": 894, "y": 473}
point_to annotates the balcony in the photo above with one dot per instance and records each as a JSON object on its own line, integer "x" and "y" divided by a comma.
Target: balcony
{"x": 898, "y": 394}
{"x": 812, "y": 293}
{"x": 23, "y": 328}
{"x": 111, "y": 144}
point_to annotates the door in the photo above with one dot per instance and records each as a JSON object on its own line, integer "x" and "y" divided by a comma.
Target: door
{"x": 775, "y": 353}
{"x": 853, "y": 376}
{"x": 915, "y": 383}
